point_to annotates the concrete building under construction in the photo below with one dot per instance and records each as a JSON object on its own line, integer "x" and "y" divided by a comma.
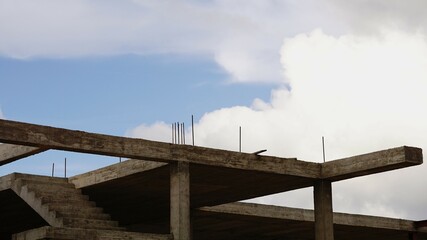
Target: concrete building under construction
{"x": 183, "y": 192}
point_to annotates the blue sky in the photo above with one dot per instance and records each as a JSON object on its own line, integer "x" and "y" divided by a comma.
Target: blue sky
{"x": 114, "y": 94}
{"x": 288, "y": 72}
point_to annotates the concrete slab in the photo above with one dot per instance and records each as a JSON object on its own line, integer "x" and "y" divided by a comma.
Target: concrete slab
{"x": 254, "y": 221}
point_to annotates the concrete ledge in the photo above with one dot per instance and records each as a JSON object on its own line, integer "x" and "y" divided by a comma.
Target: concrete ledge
{"x": 87, "y": 234}
{"x": 112, "y": 172}
{"x": 6, "y": 181}
{"x": 11, "y": 152}
{"x": 304, "y": 215}
{"x": 33, "y": 135}
{"x": 371, "y": 163}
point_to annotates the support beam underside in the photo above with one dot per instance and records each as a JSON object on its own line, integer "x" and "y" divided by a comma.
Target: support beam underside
{"x": 10, "y": 152}
{"x": 255, "y": 221}
{"x": 130, "y": 203}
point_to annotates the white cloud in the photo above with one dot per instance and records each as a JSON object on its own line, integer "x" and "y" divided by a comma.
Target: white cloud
{"x": 362, "y": 93}
{"x": 1, "y": 114}
{"x": 158, "y": 131}
{"x": 368, "y": 16}
{"x": 241, "y": 36}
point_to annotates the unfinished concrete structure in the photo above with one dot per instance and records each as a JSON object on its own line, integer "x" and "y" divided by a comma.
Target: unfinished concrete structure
{"x": 170, "y": 191}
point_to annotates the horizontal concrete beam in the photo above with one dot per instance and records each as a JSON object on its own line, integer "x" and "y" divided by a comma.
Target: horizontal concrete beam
{"x": 421, "y": 225}
{"x": 115, "y": 171}
{"x": 37, "y": 138}
{"x": 303, "y": 215}
{"x": 48, "y": 232}
{"x": 11, "y": 152}
{"x": 371, "y": 163}
{"x": 78, "y": 141}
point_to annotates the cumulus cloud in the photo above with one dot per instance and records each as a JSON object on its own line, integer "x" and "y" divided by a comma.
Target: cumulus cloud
{"x": 368, "y": 16}
{"x": 158, "y": 131}
{"x": 343, "y": 88}
{"x": 362, "y": 93}
{"x": 243, "y": 37}
{"x": 1, "y": 114}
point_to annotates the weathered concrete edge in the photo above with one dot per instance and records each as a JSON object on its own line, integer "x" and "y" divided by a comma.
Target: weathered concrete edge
{"x": 305, "y": 215}
{"x": 54, "y": 232}
{"x": 78, "y": 141}
{"x": 371, "y": 163}
{"x": 6, "y": 181}
{"x": 11, "y": 152}
{"x": 115, "y": 171}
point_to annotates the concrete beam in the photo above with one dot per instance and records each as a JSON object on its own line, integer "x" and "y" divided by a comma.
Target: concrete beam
{"x": 49, "y": 232}
{"x": 78, "y": 141}
{"x": 421, "y": 225}
{"x": 304, "y": 215}
{"x": 11, "y": 152}
{"x": 371, "y": 163}
{"x": 43, "y": 137}
{"x": 323, "y": 213}
{"x": 263, "y": 211}
{"x": 112, "y": 172}
{"x": 180, "y": 201}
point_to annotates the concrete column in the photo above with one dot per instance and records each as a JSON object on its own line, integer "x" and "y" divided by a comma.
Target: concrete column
{"x": 180, "y": 201}
{"x": 412, "y": 236}
{"x": 323, "y": 214}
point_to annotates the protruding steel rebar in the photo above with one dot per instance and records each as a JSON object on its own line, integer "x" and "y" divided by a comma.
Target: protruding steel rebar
{"x": 183, "y": 133}
{"x": 192, "y": 129}
{"x": 260, "y": 151}
{"x": 323, "y": 146}
{"x": 179, "y": 140}
{"x": 178, "y": 133}
{"x": 240, "y": 139}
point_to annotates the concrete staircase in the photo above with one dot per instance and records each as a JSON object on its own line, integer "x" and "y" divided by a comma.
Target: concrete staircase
{"x": 70, "y": 214}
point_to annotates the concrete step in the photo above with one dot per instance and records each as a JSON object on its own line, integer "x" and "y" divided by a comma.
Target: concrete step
{"x": 91, "y": 224}
{"x": 65, "y": 208}
{"x": 75, "y": 202}
{"x": 40, "y": 178}
{"x": 36, "y": 204}
{"x": 61, "y": 194}
{"x": 51, "y": 187}
{"x": 83, "y": 214}
{"x": 119, "y": 235}
{"x": 63, "y": 205}
{"x": 51, "y": 197}
{"x": 47, "y": 185}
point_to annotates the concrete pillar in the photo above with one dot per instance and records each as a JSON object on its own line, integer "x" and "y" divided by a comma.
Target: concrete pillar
{"x": 180, "y": 201}
{"x": 323, "y": 214}
{"x": 412, "y": 236}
